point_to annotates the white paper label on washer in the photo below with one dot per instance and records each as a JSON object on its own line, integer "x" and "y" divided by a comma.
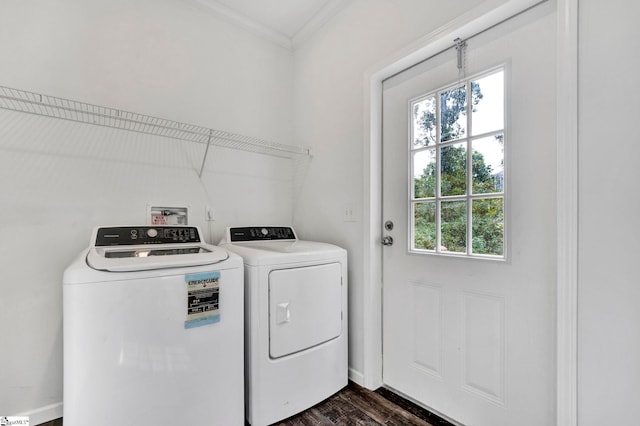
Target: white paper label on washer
{"x": 203, "y": 299}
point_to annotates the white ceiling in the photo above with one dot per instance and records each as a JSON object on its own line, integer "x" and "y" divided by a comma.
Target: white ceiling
{"x": 285, "y": 22}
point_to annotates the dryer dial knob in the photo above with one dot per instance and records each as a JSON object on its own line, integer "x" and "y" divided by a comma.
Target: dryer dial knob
{"x": 264, "y": 231}
{"x": 152, "y": 233}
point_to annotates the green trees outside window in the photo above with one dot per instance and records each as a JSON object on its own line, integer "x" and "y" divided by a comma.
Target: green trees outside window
{"x": 454, "y": 202}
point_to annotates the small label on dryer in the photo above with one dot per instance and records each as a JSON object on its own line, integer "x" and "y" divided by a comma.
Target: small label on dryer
{"x": 203, "y": 299}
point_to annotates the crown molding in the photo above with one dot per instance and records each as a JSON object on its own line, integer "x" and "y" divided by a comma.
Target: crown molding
{"x": 306, "y": 31}
{"x": 250, "y": 25}
{"x": 328, "y": 11}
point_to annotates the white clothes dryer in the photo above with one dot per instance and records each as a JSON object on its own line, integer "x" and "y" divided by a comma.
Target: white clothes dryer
{"x": 153, "y": 330}
{"x": 295, "y": 320}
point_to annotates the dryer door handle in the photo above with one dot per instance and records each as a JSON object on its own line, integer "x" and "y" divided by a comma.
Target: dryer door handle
{"x": 283, "y": 314}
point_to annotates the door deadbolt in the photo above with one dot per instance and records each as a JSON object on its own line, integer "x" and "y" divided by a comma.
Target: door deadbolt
{"x": 388, "y": 225}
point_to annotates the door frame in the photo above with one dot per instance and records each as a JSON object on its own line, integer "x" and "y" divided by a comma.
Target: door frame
{"x": 486, "y": 15}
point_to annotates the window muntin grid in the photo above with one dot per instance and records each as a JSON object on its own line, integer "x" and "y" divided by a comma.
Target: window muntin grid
{"x": 457, "y": 167}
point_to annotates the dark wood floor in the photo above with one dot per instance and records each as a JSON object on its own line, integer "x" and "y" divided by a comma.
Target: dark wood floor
{"x": 355, "y": 405}
{"x": 57, "y": 422}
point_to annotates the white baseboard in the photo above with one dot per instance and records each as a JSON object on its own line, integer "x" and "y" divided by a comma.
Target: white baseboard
{"x": 356, "y": 377}
{"x": 43, "y": 414}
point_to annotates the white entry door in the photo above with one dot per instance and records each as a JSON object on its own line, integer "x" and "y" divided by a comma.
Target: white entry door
{"x": 469, "y": 281}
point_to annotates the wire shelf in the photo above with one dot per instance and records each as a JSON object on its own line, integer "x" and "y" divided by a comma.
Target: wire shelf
{"x": 66, "y": 109}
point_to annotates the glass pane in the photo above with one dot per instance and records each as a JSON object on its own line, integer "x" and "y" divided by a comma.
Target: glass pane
{"x": 453, "y": 223}
{"x": 487, "y": 104}
{"x": 424, "y": 226}
{"x": 424, "y": 174}
{"x": 488, "y": 226}
{"x": 488, "y": 165}
{"x": 424, "y": 122}
{"x": 453, "y": 114}
{"x": 453, "y": 169}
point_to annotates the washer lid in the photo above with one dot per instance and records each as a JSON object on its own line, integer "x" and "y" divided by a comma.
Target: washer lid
{"x": 140, "y": 248}
{"x": 144, "y": 257}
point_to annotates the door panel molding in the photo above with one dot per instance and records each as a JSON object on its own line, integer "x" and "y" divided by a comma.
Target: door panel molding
{"x": 489, "y": 383}
{"x": 427, "y": 327}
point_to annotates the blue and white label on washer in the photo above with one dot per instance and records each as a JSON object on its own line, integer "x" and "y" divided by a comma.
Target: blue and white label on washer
{"x": 203, "y": 299}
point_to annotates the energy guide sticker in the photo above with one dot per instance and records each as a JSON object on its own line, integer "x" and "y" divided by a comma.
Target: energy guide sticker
{"x": 203, "y": 299}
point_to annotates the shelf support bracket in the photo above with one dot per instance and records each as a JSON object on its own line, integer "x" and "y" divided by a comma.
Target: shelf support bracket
{"x": 206, "y": 151}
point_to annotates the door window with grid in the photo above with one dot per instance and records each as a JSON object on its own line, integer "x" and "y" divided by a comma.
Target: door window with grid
{"x": 457, "y": 166}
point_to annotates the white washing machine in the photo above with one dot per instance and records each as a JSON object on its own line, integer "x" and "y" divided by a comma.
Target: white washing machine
{"x": 295, "y": 320}
{"x": 153, "y": 330}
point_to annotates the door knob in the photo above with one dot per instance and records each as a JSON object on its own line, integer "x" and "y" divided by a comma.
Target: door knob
{"x": 387, "y": 241}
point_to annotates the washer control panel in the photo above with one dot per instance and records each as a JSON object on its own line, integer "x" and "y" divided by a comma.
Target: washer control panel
{"x": 261, "y": 233}
{"x": 138, "y": 235}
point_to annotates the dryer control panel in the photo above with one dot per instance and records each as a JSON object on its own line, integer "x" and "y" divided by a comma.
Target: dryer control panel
{"x": 261, "y": 233}
{"x": 138, "y": 235}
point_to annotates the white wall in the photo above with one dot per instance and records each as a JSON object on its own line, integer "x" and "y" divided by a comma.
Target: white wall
{"x": 329, "y": 72}
{"x": 165, "y": 58}
{"x": 609, "y": 206}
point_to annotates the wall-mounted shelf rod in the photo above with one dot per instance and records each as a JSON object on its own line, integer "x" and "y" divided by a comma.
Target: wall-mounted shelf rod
{"x": 66, "y": 109}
